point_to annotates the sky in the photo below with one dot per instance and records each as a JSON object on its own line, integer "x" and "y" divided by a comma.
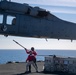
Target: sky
{"x": 64, "y": 9}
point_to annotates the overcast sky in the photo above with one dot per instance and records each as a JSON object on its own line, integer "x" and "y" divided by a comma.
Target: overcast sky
{"x": 64, "y": 9}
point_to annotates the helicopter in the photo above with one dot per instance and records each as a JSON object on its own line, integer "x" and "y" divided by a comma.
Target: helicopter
{"x": 26, "y": 21}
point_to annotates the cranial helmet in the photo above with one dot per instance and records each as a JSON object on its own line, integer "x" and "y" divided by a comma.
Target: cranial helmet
{"x": 32, "y": 48}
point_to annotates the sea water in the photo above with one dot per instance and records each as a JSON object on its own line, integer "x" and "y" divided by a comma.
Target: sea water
{"x": 20, "y": 55}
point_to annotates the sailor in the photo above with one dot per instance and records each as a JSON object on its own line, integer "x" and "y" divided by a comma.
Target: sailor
{"x": 30, "y": 60}
{"x": 34, "y": 53}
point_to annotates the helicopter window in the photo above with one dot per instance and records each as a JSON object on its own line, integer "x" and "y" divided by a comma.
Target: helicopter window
{"x": 1, "y": 18}
{"x": 11, "y": 20}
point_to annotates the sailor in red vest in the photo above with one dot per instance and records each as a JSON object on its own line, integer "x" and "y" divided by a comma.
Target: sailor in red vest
{"x": 34, "y": 54}
{"x": 30, "y": 60}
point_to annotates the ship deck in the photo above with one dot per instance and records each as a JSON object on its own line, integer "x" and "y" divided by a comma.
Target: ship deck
{"x": 20, "y": 68}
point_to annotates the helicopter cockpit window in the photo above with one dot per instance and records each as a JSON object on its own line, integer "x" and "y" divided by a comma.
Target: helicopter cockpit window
{"x": 11, "y": 20}
{"x": 1, "y": 18}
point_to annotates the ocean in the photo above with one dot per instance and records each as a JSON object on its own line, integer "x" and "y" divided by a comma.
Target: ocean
{"x": 20, "y": 55}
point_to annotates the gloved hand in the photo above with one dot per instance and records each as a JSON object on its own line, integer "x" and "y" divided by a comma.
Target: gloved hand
{"x": 25, "y": 48}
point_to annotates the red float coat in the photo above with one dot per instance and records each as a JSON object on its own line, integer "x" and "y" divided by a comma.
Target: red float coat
{"x": 30, "y": 58}
{"x": 33, "y": 53}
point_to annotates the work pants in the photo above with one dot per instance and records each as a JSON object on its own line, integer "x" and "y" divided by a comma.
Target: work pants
{"x": 35, "y": 65}
{"x": 29, "y": 63}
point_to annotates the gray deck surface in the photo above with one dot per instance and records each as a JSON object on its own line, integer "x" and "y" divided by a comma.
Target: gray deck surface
{"x": 19, "y": 69}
